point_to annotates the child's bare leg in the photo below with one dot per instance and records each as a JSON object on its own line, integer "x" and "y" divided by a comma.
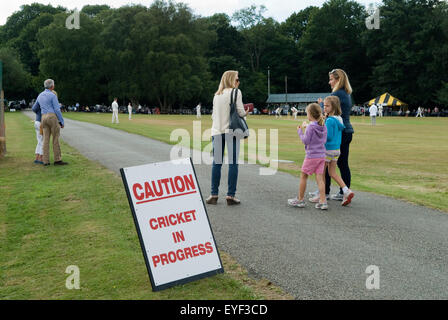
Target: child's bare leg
{"x": 302, "y": 186}
{"x": 320, "y": 179}
{"x": 332, "y": 172}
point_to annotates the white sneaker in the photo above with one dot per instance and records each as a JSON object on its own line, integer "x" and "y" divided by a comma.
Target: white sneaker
{"x": 296, "y": 203}
{"x": 337, "y": 196}
{"x": 313, "y": 193}
{"x": 322, "y": 206}
{"x": 316, "y": 198}
{"x": 347, "y": 198}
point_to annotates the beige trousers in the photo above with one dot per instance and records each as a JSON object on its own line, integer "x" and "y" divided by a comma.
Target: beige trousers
{"x": 50, "y": 125}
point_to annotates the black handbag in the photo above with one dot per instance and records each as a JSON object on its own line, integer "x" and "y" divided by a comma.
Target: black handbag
{"x": 236, "y": 123}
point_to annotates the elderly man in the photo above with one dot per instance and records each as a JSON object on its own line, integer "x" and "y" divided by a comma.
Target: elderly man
{"x": 52, "y": 121}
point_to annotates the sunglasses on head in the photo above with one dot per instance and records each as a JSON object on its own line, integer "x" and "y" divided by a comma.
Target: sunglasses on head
{"x": 333, "y": 71}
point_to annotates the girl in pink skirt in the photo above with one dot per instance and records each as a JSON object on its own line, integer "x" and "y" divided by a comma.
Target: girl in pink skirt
{"x": 314, "y": 140}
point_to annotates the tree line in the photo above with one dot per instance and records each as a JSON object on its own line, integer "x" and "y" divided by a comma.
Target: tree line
{"x": 164, "y": 55}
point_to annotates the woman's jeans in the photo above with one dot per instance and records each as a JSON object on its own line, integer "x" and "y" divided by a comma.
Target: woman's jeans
{"x": 233, "y": 150}
{"x": 342, "y": 163}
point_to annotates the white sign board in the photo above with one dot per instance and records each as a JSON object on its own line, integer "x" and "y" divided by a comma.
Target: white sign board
{"x": 171, "y": 221}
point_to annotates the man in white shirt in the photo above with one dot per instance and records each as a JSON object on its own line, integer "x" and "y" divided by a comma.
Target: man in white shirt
{"x": 419, "y": 113}
{"x": 278, "y": 112}
{"x": 294, "y": 112}
{"x": 115, "y": 110}
{"x": 373, "y": 110}
{"x": 130, "y": 111}
{"x": 380, "y": 110}
{"x": 198, "y": 111}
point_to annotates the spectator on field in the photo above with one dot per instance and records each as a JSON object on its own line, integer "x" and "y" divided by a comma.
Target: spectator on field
{"x": 380, "y": 110}
{"x": 340, "y": 86}
{"x": 221, "y": 136}
{"x": 130, "y": 111}
{"x": 198, "y": 111}
{"x": 314, "y": 139}
{"x": 373, "y": 111}
{"x": 419, "y": 113}
{"x": 335, "y": 125}
{"x": 39, "y": 136}
{"x": 115, "y": 111}
{"x": 52, "y": 121}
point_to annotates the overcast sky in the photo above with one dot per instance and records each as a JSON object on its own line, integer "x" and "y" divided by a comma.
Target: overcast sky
{"x": 278, "y": 9}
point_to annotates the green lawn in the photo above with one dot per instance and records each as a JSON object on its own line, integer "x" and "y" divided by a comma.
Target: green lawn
{"x": 406, "y": 158}
{"x": 54, "y": 217}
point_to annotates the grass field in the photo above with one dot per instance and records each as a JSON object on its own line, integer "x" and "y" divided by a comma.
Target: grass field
{"x": 405, "y": 158}
{"x": 54, "y": 217}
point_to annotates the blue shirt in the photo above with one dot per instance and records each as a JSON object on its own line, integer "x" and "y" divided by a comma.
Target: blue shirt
{"x": 47, "y": 102}
{"x": 334, "y": 126}
{"x": 38, "y": 115}
{"x": 346, "y": 108}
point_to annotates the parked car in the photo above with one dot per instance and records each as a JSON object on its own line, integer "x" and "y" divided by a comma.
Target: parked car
{"x": 14, "y": 105}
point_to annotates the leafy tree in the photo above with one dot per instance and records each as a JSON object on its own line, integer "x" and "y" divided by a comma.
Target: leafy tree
{"x": 94, "y": 10}
{"x": 224, "y": 52}
{"x": 297, "y": 23}
{"x": 410, "y": 54}
{"x": 71, "y": 58}
{"x": 155, "y": 54}
{"x": 20, "y": 19}
{"x": 442, "y": 94}
{"x": 249, "y": 17}
{"x": 331, "y": 40}
{"x": 26, "y": 42}
{"x": 16, "y": 81}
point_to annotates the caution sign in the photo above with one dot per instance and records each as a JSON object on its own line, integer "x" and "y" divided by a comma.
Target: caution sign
{"x": 172, "y": 223}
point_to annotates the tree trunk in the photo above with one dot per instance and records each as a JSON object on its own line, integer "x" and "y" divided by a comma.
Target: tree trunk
{"x": 2, "y": 126}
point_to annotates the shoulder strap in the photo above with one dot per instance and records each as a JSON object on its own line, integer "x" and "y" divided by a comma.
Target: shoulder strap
{"x": 233, "y": 99}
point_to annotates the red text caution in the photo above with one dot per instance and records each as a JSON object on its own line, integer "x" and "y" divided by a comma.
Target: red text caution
{"x": 163, "y": 188}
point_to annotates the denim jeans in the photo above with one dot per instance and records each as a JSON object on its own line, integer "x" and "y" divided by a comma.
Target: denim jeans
{"x": 233, "y": 150}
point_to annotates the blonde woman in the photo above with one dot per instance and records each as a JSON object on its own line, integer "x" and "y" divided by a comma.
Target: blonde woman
{"x": 340, "y": 87}
{"x": 221, "y": 136}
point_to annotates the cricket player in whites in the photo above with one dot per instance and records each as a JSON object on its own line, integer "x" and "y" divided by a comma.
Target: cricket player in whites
{"x": 115, "y": 111}
{"x": 278, "y": 113}
{"x": 294, "y": 112}
{"x": 198, "y": 111}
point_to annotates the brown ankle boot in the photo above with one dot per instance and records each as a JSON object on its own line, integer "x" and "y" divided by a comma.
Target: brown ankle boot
{"x": 212, "y": 200}
{"x": 232, "y": 201}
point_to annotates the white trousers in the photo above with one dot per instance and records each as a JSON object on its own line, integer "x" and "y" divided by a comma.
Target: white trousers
{"x": 115, "y": 116}
{"x": 40, "y": 139}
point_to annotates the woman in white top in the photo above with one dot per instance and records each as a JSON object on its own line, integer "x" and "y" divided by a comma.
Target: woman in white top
{"x": 222, "y": 136}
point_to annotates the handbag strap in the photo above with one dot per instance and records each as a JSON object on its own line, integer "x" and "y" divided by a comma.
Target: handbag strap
{"x": 233, "y": 100}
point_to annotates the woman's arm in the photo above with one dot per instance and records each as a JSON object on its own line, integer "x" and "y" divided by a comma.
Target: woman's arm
{"x": 306, "y": 138}
{"x": 240, "y": 105}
